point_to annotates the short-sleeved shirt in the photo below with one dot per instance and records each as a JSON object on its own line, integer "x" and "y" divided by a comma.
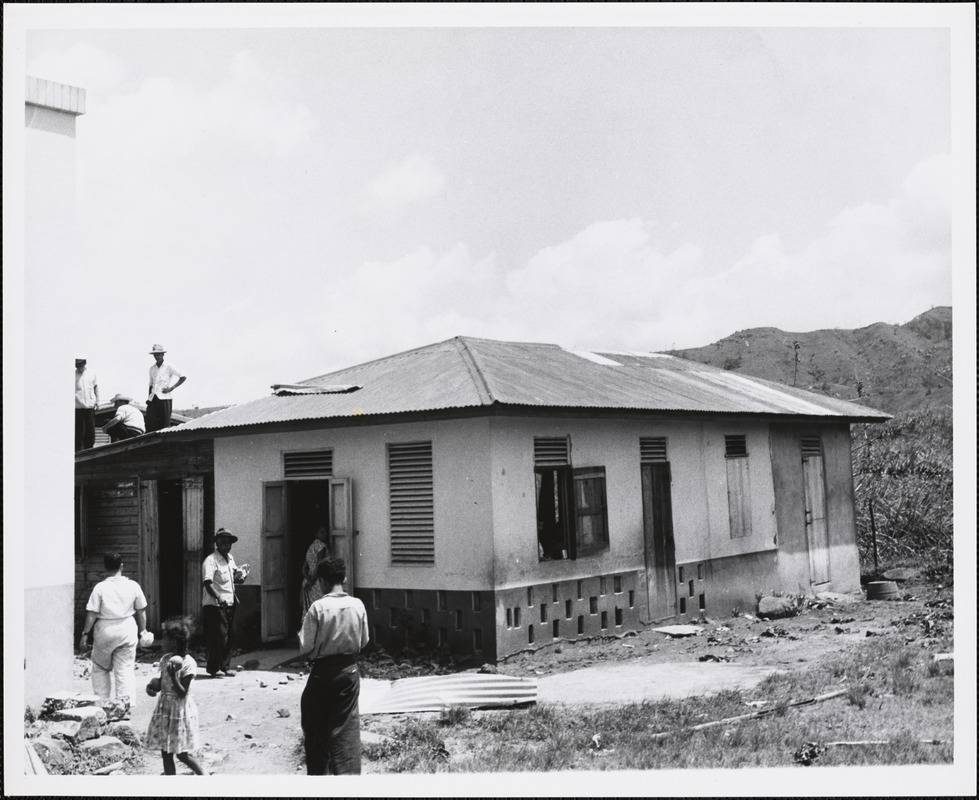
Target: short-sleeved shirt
{"x": 85, "y": 385}
{"x": 131, "y": 417}
{"x": 161, "y": 378}
{"x": 220, "y": 573}
{"x": 335, "y": 625}
{"x": 116, "y": 597}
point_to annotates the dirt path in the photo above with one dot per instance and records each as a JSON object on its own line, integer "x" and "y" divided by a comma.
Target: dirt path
{"x": 250, "y": 723}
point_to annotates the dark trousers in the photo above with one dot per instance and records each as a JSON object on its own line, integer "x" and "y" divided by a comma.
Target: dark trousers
{"x": 219, "y": 635}
{"x": 118, "y": 432}
{"x": 84, "y": 428}
{"x": 158, "y": 414}
{"x": 331, "y": 717}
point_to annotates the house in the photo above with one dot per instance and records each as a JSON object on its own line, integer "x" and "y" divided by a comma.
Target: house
{"x": 497, "y": 496}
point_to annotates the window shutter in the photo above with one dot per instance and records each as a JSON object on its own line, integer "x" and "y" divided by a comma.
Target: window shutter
{"x": 412, "y": 503}
{"x": 652, "y": 450}
{"x": 308, "y": 464}
{"x": 735, "y": 447}
{"x": 551, "y": 451}
{"x": 811, "y": 447}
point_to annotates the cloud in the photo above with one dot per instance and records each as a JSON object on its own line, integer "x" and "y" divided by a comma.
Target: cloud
{"x": 414, "y": 180}
{"x": 82, "y": 64}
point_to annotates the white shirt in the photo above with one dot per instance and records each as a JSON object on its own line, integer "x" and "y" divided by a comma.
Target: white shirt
{"x": 220, "y": 572}
{"x": 117, "y": 597}
{"x": 161, "y": 378}
{"x": 336, "y": 624}
{"x": 130, "y": 416}
{"x": 86, "y": 386}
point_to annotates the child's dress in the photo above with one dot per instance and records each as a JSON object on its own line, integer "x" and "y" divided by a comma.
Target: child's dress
{"x": 174, "y": 727}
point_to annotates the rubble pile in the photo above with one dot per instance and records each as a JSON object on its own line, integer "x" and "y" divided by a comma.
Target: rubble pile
{"x": 83, "y": 734}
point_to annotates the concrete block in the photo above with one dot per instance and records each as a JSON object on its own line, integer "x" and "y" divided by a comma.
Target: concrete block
{"x": 106, "y": 748}
{"x": 51, "y": 751}
{"x": 81, "y": 713}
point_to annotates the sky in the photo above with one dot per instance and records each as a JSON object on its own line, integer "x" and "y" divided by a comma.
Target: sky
{"x": 271, "y": 204}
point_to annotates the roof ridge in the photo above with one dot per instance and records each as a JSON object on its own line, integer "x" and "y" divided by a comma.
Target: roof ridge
{"x": 475, "y": 372}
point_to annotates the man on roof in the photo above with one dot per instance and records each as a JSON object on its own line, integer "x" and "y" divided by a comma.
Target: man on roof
{"x": 127, "y": 422}
{"x": 159, "y": 405}
{"x": 86, "y": 401}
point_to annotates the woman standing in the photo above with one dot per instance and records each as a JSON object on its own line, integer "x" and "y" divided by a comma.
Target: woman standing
{"x": 313, "y": 588}
{"x": 115, "y": 618}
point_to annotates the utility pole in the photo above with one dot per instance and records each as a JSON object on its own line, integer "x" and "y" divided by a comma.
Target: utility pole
{"x": 795, "y": 370}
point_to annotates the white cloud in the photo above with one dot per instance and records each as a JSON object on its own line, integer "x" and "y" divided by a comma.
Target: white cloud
{"x": 412, "y": 181}
{"x": 82, "y": 64}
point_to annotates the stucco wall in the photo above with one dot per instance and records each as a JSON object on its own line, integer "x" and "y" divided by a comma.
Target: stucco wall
{"x": 699, "y": 493}
{"x": 463, "y": 526}
{"x": 46, "y": 534}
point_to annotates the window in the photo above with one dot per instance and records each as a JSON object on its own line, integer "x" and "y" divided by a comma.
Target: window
{"x": 412, "y": 503}
{"x": 572, "y": 513}
{"x": 738, "y": 486}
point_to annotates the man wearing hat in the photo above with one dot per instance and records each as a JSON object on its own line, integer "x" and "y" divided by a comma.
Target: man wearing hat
{"x": 220, "y": 574}
{"x": 86, "y": 399}
{"x": 158, "y": 403}
{"x": 128, "y": 421}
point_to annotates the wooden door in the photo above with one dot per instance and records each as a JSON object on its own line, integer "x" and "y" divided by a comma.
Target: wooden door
{"x": 342, "y": 526}
{"x": 657, "y": 507}
{"x": 192, "y": 495}
{"x": 275, "y": 616}
{"x": 149, "y": 551}
{"x": 817, "y": 533}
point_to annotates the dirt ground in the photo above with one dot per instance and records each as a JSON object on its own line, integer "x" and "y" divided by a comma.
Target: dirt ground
{"x": 250, "y": 723}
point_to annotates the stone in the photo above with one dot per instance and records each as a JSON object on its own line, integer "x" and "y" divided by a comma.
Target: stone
{"x": 284, "y": 712}
{"x": 51, "y": 751}
{"x": 369, "y": 737}
{"x": 33, "y": 765}
{"x": 80, "y": 713}
{"x": 37, "y": 728}
{"x": 251, "y": 664}
{"x": 62, "y": 700}
{"x": 125, "y": 733}
{"x": 115, "y": 708}
{"x": 106, "y": 748}
{"x": 76, "y": 730}
{"x": 900, "y": 574}
{"x": 488, "y": 669}
{"x": 777, "y": 607}
{"x": 109, "y": 769}
{"x": 679, "y": 630}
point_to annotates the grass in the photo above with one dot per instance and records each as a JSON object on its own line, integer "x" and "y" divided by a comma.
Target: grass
{"x": 893, "y": 693}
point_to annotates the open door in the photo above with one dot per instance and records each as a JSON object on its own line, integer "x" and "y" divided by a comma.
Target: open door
{"x": 342, "y": 526}
{"x": 657, "y": 508}
{"x": 148, "y": 575}
{"x": 817, "y": 533}
{"x": 192, "y": 502}
{"x": 275, "y": 617}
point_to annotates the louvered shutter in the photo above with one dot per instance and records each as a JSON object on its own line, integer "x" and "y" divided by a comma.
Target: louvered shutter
{"x": 412, "y": 503}
{"x": 308, "y": 464}
{"x": 735, "y": 446}
{"x": 811, "y": 447}
{"x": 551, "y": 451}
{"x": 652, "y": 450}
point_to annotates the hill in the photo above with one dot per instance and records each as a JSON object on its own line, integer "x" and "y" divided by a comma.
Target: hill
{"x": 890, "y": 367}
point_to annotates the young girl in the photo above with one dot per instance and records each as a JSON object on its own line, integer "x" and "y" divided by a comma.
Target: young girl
{"x": 173, "y": 727}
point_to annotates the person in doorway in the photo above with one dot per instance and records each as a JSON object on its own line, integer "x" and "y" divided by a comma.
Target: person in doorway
{"x": 334, "y": 631}
{"x": 86, "y": 401}
{"x": 115, "y": 619}
{"x": 128, "y": 420}
{"x": 220, "y": 574}
{"x": 159, "y": 405}
{"x": 313, "y": 586}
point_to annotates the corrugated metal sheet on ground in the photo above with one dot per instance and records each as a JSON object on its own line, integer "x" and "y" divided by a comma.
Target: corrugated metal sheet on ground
{"x": 472, "y": 373}
{"x": 438, "y": 692}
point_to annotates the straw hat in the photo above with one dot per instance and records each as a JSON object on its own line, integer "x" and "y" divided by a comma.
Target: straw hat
{"x": 157, "y": 348}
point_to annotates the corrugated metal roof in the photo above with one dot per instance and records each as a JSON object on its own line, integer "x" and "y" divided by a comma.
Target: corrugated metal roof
{"x": 469, "y": 373}
{"x": 438, "y": 692}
